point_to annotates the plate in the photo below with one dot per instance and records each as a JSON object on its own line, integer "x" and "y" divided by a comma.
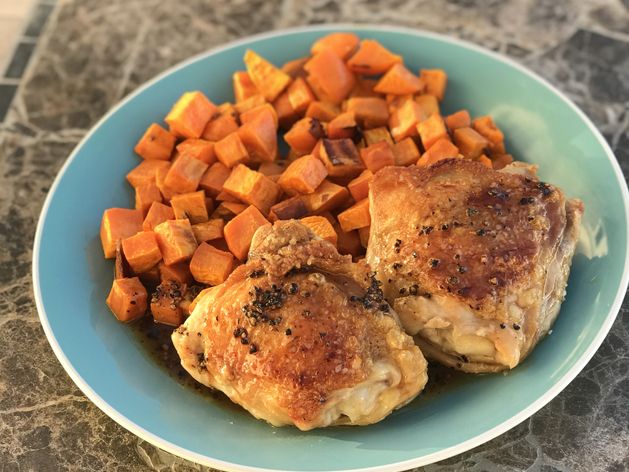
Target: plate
{"x": 104, "y": 359}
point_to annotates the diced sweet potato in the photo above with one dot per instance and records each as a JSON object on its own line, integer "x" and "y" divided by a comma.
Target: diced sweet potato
{"x": 364, "y": 88}
{"x": 327, "y": 197}
{"x": 300, "y": 96}
{"x": 179, "y": 272}
{"x": 442, "y": 149}
{"x": 398, "y": 80}
{"x": 243, "y": 86}
{"x": 340, "y": 157}
{"x": 501, "y": 160}
{"x": 221, "y": 125}
{"x": 127, "y": 299}
{"x": 211, "y": 266}
{"x": 145, "y": 195}
{"x": 286, "y": 115}
{"x": 459, "y": 119}
{"x": 191, "y": 206}
{"x": 214, "y": 178}
{"x": 432, "y": 130}
{"x": 356, "y": 216}
{"x": 156, "y": 143}
{"x": 268, "y": 79}
{"x": 252, "y": 187}
{"x": 291, "y": 208}
{"x": 321, "y": 227}
{"x": 158, "y": 213}
{"x": 166, "y": 303}
{"x": 329, "y": 77}
{"x": 295, "y": 68}
{"x": 253, "y": 114}
{"x": 486, "y": 161}
{"x": 199, "y": 149}
{"x": 359, "y": 187}
{"x": 150, "y": 278}
{"x": 485, "y": 126}
{"x": 118, "y": 224}
{"x": 435, "y": 81}
{"x": 227, "y": 197}
{"x": 272, "y": 168}
{"x": 185, "y": 174}
{"x": 349, "y": 243}
{"x": 429, "y": 104}
{"x": 190, "y": 114}
{"x": 250, "y": 103}
{"x": 363, "y": 234}
{"x": 405, "y": 152}
{"x": 231, "y": 151}
{"x": 160, "y": 178}
{"x": 176, "y": 240}
{"x": 303, "y": 135}
{"x": 470, "y": 143}
{"x": 377, "y": 135}
{"x": 239, "y": 231}
{"x": 208, "y": 230}
{"x": 342, "y": 44}
{"x": 404, "y": 119}
{"x": 370, "y": 112}
{"x": 322, "y": 111}
{"x": 372, "y": 58}
{"x": 344, "y": 126}
{"x": 145, "y": 172}
{"x": 141, "y": 251}
{"x": 258, "y": 133}
{"x": 377, "y": 156}
{"x": 303, "y": 175}
{"x": 227, "y": 210}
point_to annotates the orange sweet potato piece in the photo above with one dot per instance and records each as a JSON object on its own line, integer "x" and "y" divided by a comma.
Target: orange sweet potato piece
{"x": 166, "y": 303}
{"x": 303, "y": 175}
{"x": 486, "y": 161}
{"x": 321, "y": 227}
{"x": 118, "y": 224}
{"x": 199, "y": 149}
{"x": 286, "y": 115}
{"x": 145, "y": 172}
{"x": 470, "y": 143}
{"x": 227, "y": 197}
{"x": 272, "y": 168}
{"x": 356, "y": 216}
{"x": 501, "y": 160}
{"x": 349, "y": 242}
{"x": 398, "y": 80}
{"x": 253, "y": 114}
{"x": 405, "y": 152}
{"x": 250, "y": 103}
{"x": 179, "y": 272}
{"x": 376, "y": 156}
{"x": 363, "y": 234}
{"x": 459, "y": 119}
{"x": 190, "y": 114}
{"x": 156, "y": 143}
{"x": 370, "y": 112}
{"x": 230, "y": 150}
{"x": 239, "y": 231}
{"x": 150, "y": 278}
{"x": 322, "y": 111}
{"x": 364, "y": 88}
{"x": 208, "y": 230}
{"x": 303, "y": 135}
{"x": 141, "y": 251}
{"x": 268, "y": 79}
{"x": 435, "y": 81}
{"x": 184, "y": 174}
{"x": 221, "y": 125}
{"x": 441, "y": 149}
{"x": 359, "y": 187}
{"x": 158, "y": 213}
{"x": 340, "y": 43}
{"x": 329, "y": 77}
{"x": 252, "y": 187}
{"x": 344, "y": 126}
{"x": 214, "y": 178}
{"x": 340, "y": 157}
{"x": 485, "y": 126}
{"x": 377, "y": 135}
{"x": 291, "y": 208}
{"x": 429, "y": 104}
{"x": 300, "y": 96}
{"x": 145, "y": 195}
{"x": 176, "y": 240}
{"x": 127, "y": 299}
{"x": 295, "y": 68}
{"x": 227, "y": 210}
{"x": 211, "y": 266}
{"x": 404, "y": 119}
{"x": 432, "y": 130}
{"x": 372, "y": 58}
{"x": 191, "y": 206}
{"x": 327, "y": 197}
{"x": 243, "y": 86}
{"x": 259, "y": 134}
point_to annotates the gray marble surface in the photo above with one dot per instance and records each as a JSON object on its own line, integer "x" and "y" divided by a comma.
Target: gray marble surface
{"x": 93, "y": 53}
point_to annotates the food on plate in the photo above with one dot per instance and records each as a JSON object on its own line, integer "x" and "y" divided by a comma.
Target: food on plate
{"x": 301, "y": 335}
{"x": 477, "y": 267}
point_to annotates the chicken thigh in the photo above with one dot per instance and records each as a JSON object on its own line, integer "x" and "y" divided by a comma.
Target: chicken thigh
{"x": 301, "y": 335}
{"x": 474, "y": 261}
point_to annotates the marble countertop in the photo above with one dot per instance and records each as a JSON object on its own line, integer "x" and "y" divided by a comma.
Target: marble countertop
{"x": 93, "y": 53}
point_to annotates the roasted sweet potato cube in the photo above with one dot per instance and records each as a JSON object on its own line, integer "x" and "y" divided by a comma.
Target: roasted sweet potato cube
{"x": 199, "y": 149}
{"x": 179, "y": 272}
{"x": 267, "y": 78}
{"x": 158, "y": 213}
{"x": 327, "y": 197}
{"x": 295, "y": 67}
{"x": 486, "y": 161}
{"x": 343, "y": 44}
{"x": 265, "y": 109}
{"x": 221, "y": 125}
{"x": 349, "y": 242}
{"x": 372, "y": 58}
{"x": 166, "y": 303}
{"x": 303, "y": 135}
{"x": 432, "y": 130}
{"x": 185, "y": 174}
{"x": 485, "y": 126}
{"x": 370, "y": 112}
{"x": 286, "y": 115}
{"x": 356, "y": 216}
{"x": 249, "y": 104}
{"x": 470, "y": 143}
{"x": 208, "y": 230}
{"x": 300, "y": 95}
{"x": 160, "y": 178}
{"x": 227, "y": 197}
{"x": 243, "y": 86}
{"x": 211, "y": 266}
{"x": 227, "y": 210}
{"x": 214, "y": 178}
{"x": 340, "y": 157}
{"x": 321, "y": 227}
{"x": 404, "y": 119}
{"x": 191, "y": 206}
{"x": 377, "y": 156}
{"x": 150, "y": 278}
{"x": 359, "y": 187}
{"x": 145, "y": 195}
{"x": 364, "y": 88}
{"x": 377, "y": 135}
{"x": 190, "y": 114}
{"x": 435, "y": 81}
{"x": 141, "y": 251}
{"x": 398, "y": 80}
{"x": 344, "y": 126}
{"x": 442, "y": 149}
{"x": 127, "y": 299}
{"x": 118, "y": 224}
{"x": 363, "y": 234}
{"x": 259, "y": 134}
{"x": 231, "y": 151}
{"x": 146, "y": 172}
{"x": 239, "y": 231}
{"x": 156, "y": 143}
{"x": 329, "y": 77}
{"x": 429, "y": 104}
{"x": 459, "y": 119}
{"x": 501, "y": 160}
{"x": 291, "y": 208}
{"x": 272, "y": 168}
{"x": 303, "y": 175}
{"x": 176, "y": 240}
{"x": 322, "y": 111}
{"x": 252, "y": 187}
{"x": 405, "y": 152}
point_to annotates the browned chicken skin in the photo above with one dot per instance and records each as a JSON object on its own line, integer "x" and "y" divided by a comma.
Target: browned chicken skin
{"x": 474, "y": 261}
{"x": 301, "y": 335}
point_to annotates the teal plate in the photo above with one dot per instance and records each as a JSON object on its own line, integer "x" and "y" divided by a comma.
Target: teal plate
{"x": 105, "y": 360}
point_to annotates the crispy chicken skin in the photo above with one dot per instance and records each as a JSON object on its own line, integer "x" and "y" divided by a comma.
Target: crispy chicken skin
{"x": 474, "y": 261}
{"x": 301, "y": 335}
